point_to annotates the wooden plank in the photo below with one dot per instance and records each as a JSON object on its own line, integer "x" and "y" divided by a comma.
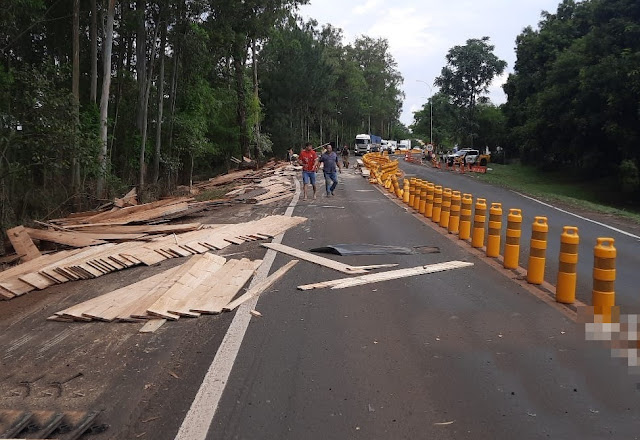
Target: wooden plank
{"x": 95, "y": 307}
{"x": 261, "y": 286}
{"x": 207, "y": 281}
{"x": 174, "y": 296}
{"x": 22, "y": 244}
{"x": 72, "y": 239}
{"x": 136, "y": 229}
{"x": 389, "y": 275}
{"x": 316, "y": 259}
{"x": 227, "y": 288}
{"x": 274, "y": 199}
{"x": 152, "y": 325}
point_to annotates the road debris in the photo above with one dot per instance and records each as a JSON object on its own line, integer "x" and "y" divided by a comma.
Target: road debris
{"x": 444, "y": 423}
{"x": 171, "y": 373}
{"x": 256, "y": 313}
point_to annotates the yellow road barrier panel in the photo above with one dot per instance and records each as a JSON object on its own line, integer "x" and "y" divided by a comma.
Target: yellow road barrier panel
{"x": 406, "y": 191}
{"x": 428, "y": 207}
{"x": 423, "y": 197}
{"x": 538, "y": 250}
{"x": 495, "y": 229}
{"x": 464, "y": 232}
{"x": 437, "y": 204}
{"x": 567, "y": 265}
{"x": 454, "y": 217}
{"x": 445, "y": 213}
{"x": 603, "y": 295}
{"x": 512, "y": 239}
{"x": 479, "y": 219}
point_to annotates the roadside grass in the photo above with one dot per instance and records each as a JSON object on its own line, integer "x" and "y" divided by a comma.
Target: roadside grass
{"x": 595, "y": 195}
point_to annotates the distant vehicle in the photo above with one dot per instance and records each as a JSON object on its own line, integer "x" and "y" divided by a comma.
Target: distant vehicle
{"x": 367, "y": 143}
{"x": 405, "y": 144}
{"x": 389, "y": 146}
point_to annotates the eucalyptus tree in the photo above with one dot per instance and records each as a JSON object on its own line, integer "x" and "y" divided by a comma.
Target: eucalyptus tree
{"x": 466, "y": 77}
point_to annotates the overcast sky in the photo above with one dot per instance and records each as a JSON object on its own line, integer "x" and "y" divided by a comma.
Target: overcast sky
{"x": 421, "y": 32}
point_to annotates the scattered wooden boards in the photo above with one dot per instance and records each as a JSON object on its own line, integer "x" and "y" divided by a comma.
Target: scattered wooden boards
{"x": 204, "y": 284}
{"x": 22, "y": 243}
{"x": 261, "y": 286}
{"x": 389, "y": 275}
{"x": 322, "y": 261}
{"x": 99, "y": 260}
{"x": 73, "y": 239}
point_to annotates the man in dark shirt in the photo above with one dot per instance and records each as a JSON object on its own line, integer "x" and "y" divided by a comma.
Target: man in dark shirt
{"x": 330, "y": 161}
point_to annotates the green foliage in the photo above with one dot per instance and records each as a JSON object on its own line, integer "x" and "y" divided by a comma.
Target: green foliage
{"x": 629, "y": 177}
{"x": 465, "y": 80}
{"x": 574, "y": 97}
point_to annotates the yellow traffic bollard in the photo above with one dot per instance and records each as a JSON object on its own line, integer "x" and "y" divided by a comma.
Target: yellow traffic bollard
{"x": 437, "y": 204}
{"x": 568, "y": 262}
{"x": 412, "y": 191}
{"x": 604, "y": 278}
{"x": 538, "y": 250}
{"x": 479, "y": 219}
{"x": 454, "y": 217}
{"x": 428, "y": 207}
{"x": 406, "y": 191}
{"x": 445, "y": 212}
{"x": 416, "y": 199}
{"x": 512, "y": 239}
{"x": 495, "y": 229}
{"x": 423, "y": 197}
{"x": 465, "y": 217}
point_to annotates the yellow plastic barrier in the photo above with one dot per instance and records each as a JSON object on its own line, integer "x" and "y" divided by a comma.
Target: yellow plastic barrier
{"x": 538, "y": 250}
{"x": 416, "y": 199}
{"x": 412, "y": 191}
{"x": 437, "y": 204}
{"x": 495, "y": 229}
{"x": 428, "y": 207}
{"x": 512, "y": 239}
{"x": 445, "y": 213}
{"x": 603, "y": 294}
{"x": 567, "y": 265}
{"x": 479, "y": 219}
{"x": 465, "y": 217}
{"x": 406, "y": 192}
{"x": 454, "y": 217}
{"x": 423, "y": 197}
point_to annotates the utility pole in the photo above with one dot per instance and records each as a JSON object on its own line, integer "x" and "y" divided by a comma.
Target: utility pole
{"x": 430, "y": 110}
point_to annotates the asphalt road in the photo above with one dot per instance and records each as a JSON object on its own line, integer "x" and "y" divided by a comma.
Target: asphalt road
{"x": 466, "y": 353}
{"x": 628, "y": 248}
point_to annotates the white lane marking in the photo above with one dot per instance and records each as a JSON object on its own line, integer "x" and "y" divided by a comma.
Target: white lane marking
{"x": 196, "y": 423}
{"x": 620, "y": 231}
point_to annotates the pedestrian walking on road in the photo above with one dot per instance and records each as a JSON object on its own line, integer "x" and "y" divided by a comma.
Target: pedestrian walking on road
{"x": 330, "y": 161}
{"x": 309, "y": 161}
{"x": 345, "y": 156}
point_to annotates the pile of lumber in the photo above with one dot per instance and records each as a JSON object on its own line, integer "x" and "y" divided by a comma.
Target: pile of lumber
{"x": 95, "y": 261}
{"x": 205, "y": 284}
{"x": 125, "y": 219}
{"x": 267, "y": 190}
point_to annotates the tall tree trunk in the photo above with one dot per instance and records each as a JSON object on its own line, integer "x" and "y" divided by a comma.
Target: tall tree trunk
{"x": 75, "y": 90}
{"x": 156, "y": 156}
{"x": 254, "y": 61}
{"x": 145, "y": 112}
{"x": 104, "y": 98}
{"x": 141, "y": 61}
{"x": 94, "y": 52}
{"x": 172, "y": 97}
{"x": 239, "y": 59}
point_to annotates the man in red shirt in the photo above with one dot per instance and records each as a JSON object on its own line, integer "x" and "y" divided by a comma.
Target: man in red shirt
{"x": 309, "y": 161}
